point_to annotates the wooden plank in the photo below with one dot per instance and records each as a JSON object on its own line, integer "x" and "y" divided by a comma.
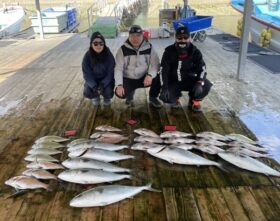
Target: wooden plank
{"x": 233, "y": 203}
{"x": 249, "y": 203}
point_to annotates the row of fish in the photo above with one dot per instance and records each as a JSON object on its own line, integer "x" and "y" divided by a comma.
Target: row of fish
{"x": 91, "y": 160}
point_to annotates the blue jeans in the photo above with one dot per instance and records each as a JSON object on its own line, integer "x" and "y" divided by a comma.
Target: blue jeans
{"x": 106, "y": 92}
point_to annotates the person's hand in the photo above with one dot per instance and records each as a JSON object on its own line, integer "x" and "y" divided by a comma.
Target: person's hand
{"x": 164, "y": 95}
{"x": 198, "y": 90}
{"x": 148, "y": 80}
{"x": 120, "y": 91}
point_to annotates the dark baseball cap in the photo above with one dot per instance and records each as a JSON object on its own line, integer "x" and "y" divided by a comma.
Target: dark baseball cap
{"x": 135, "y": 29}
{"x": 182, "y": 31}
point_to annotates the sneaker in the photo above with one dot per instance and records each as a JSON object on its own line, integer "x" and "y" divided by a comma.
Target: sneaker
{"x": 107, "y": 102}
{"x": 95, "y": 101}
{"x": 196, "y": 106}
{"x": 129, "y": 103}
{"x": 176, "y": 105}
{"x": 155, "y": 102}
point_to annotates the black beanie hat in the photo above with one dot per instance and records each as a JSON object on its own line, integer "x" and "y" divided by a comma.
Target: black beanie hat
{"x": 182, "y": 31}
{"x": 97, "y": 35}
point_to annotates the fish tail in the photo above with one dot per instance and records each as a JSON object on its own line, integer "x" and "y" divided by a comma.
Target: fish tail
{"x": 149, "y": 188}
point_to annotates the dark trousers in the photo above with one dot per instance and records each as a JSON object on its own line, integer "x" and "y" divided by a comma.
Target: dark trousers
{"x": 175, "y": 89}
{"x": 106, "y": 92}
{"x": 130, "y": 85}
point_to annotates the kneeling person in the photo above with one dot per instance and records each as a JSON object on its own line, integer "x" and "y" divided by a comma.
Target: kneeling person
{"x": 98, "y": 71}
{"x": 137, "y": 65}
{"x": 183, "y": 69}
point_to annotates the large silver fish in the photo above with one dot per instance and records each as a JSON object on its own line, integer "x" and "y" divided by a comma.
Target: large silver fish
{"x": 107, "y": 128}
{"x": 99, "y": 145}
{"x": 47, "y": 144}
{"x": 83, "y": 163}
{"x": 246, "y": 152}
{"x": 241, "y": 138}
{"x": 99, "y": 154}
{"x": 44, "y": 151}
{"x": 248, "y": 163}
{"x": 44, "y": 165}
{"x": 247, "y": 146}
{"x": 210, "y": 149}
{"x": 26, "y": 182}
{"x": 51, "y": 138}
{"x": 40, "y": 157}
{"x": 78, "y": 141}
{"x": 105, "y": 134}
{"x": 90, "y": 176}
{"x": 39, "y": 174}
{"x": 144, "y": 139}
{"x": 210, "y": 142}
{"x": 112, "y": 140}
{"x": 180, "y": 156}
{"x": 145, "y": 132}
{"x": 178, "y": 140}
{"x": 105, "y": 195}
{"x": 182, "y": 146}
{"x": 145, "y": 146}
{"x": 212, "y": 135}
{"x": 169, "y": 134}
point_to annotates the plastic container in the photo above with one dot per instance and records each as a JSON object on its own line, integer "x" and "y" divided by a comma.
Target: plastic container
{"x": 194, "y": 23}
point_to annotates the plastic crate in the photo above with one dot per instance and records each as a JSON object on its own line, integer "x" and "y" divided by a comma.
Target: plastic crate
{"x": 194, "y": 23}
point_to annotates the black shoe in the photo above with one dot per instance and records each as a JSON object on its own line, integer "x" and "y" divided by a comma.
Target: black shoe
{"x": 155, "y": 102}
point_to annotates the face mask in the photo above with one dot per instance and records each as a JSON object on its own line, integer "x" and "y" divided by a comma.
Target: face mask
{"x": 182, "y": 48}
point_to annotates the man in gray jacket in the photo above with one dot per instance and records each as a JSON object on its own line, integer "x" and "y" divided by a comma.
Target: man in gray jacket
{"x": 137, "y": 66}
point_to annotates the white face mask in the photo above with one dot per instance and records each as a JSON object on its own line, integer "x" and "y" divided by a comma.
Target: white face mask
{"x": 182, "y": 45}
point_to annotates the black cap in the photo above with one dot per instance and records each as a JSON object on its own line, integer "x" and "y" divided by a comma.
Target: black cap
{"x": 135, "y": 29}
{"x": 182, "y": 31}
{"x": 96, "y": 35}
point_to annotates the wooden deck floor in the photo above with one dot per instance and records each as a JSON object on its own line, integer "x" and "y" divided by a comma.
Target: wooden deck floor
{"x": 44, "y": 92}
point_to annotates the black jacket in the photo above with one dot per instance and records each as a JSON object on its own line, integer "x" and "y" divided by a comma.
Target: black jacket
{"x": 176, "y": 68}
{"x": 94, "y": 74}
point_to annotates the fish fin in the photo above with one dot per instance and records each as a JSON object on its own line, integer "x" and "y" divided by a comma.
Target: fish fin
{"x": 17, "y": 193}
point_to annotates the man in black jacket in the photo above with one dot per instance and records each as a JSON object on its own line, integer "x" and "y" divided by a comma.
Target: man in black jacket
{"x": 183, "y": 69}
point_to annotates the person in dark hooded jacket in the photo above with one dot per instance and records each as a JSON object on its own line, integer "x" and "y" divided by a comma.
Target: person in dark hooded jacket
{"x": 98, "y": 71}
{"x": 183, "y": 69}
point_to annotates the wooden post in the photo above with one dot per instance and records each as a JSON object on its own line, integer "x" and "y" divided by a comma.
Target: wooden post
{"x": 244, "y": 38}
{"x": 39, "y": 17}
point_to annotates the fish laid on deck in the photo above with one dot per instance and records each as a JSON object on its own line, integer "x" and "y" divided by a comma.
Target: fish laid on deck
{"x": 99, "y": 154}
{"x": 51, "y": 138}
{"x": 241, "y": 138}
{"x": 145, "y": 146}
{"x": 212, "y": 135}
{"x": 104, "y": 134}
{"x": 246, "y": 152}
{"x": 210, "y": 149}
{"x": 26, "y": 182}
{"x": 83, "y": 163}
{"x": 247, "y": 146}
{"x": 90, "y": 176}
{"x": 112, "y": 140}
{"x": 248, "y": 163}
{"x": 99, "y": 145}
{"x": 170, "y": 134}
{"x": 149, "y": 139}
{"x": 40, "y": 157}
{"x": 105, "y": 195}
{"x": 44, "y": 151}
{"x": 39, "y": 174}
{"x": 47, "y": 144}
{"x": 44, "y": 165}
{"x": 178, "y": 140}
{"x": 145, "y": 132}
{"x": 180, "y": 156}
{"x": 107, "y": 128}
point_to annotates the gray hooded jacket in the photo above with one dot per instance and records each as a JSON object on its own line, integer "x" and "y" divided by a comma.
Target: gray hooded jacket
{"x": 134, "y": 64}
